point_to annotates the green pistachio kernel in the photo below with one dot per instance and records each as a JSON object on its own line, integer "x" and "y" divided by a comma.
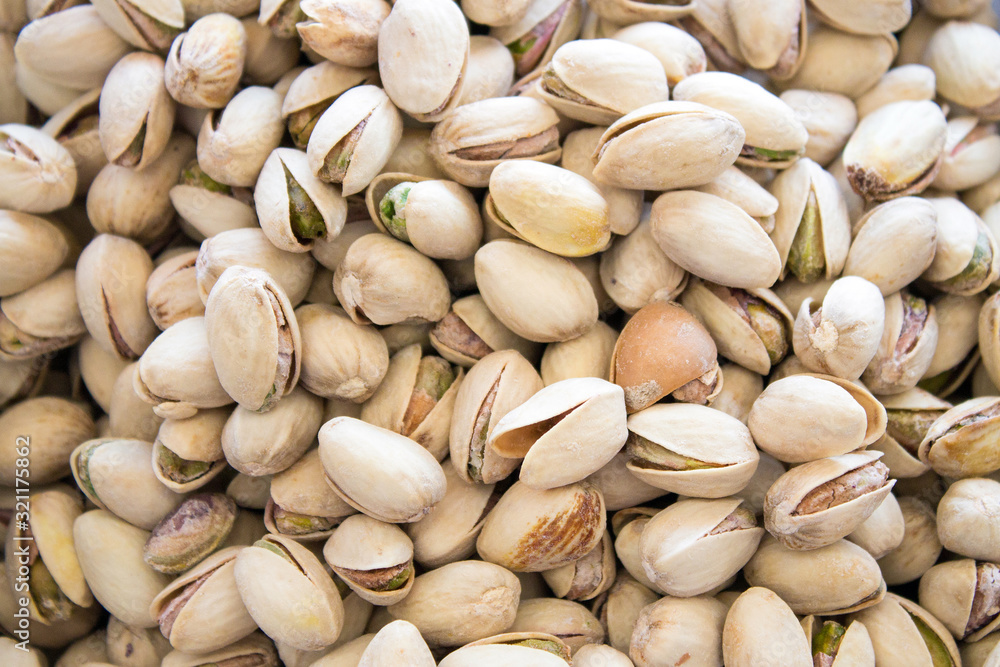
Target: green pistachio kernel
{"x": 806, "y": 256}
{"x": 651, "y": 455}
{"x": 976, "y": 271}
{"x": 392, "y": 210}
{"x": 194, "y": 176}
{"x": 940, "y": 657}
{"x": 303, "y": 215}
{"x": 177, "y": 469}
{"x": 826, "y": 642}
{"x": 52, "y": 603}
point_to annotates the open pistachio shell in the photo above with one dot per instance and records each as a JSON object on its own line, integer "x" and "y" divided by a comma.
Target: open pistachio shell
{"x": 470, "y": 331}
{"x": 907, "y": 347}
{"x": 961, "y": 442}
{"x": 374, "y": 559}
{"x": 966, "y": 260}
{"x": 569, "y": 621}
{"x": 187, "y": 453}
{"x": 850, "y": 645}
{"x": 190, "y": 532}
{"x": 534, "y": 38}
{"x": 903, "y": 633}
{"x": 962, "y": 594}
{"x": 761, "y": 629}
{"x": 588, "y": 577}
{"x": 256, "y": 650}
{"x": 301, "y": 506}
{"x": 772, "y": 38}
{"x": 910, "y": 415}
{"x": 266, "y": 443}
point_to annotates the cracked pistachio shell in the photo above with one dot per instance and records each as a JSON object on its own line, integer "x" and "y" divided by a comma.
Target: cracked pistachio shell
{"x": 587, "y": 577}
{"x": 196, "y": 438}
{"x": 253, "y": 338}
{"x": 384, "y": 281}
{"x": 547, "y": 299}
{"x": 250, "y": 248}
{"x": 111, "y": 277}
{"x": 773, "y": 37}
{"x": 340, "y": 359}
{"x": 735, "y": 186}
{"x": 235, "y": 141}
{"x": 343, "y": 31}
{"x": 490, "y": 72}
{"x": 416, "y": 398}
{"x": 288, "y": 593}
{"x": 696, "y": 545}
{"x": 55, "y": 426}
{"x": 841, "y": 336}
{"x": 629, "y": 524}
{"x": 37, "y": 173}
{"x": 266, "y": 443}
{"x": 905, "y": 82}
{"x": 589, "y": 432}
{"x": 32, "y": 249}
{"x": 741, "y": 389}
{"x": 956, "y": 352}
{"x": 422, "y": 56}
{"x": 669, "y": 449}
{"x": 550, "y": 207}
{"x": 619, "y": 608}
{"x": 861, "y": 61}
{"x": 769, "y": 469}
{"x": 774, "y": 136}
{"x": 145, "y": 24}
{"x": 313, "y": 91}
{"x": 896, "y": 150}
{"x": 711, "y": 24}
{"x": 920, "y": 547}
{"x": 624, "y": 206}
{"x": 966, "y": 519}
{"x": 176, "y": 374}
{"x": 404, "y": 488}
{"x": 492, "y": 13}
{"x": 970, "y": 154}
{"x": 208, "y": 207}
{"x": 494, "y": 386}
{"x": 584, "y": 80}
{"x": 965, "y": 57}
{"x": 205, "y": 63}
{"x": 498, "y": 655}
{"x": 136, "y": 113}
{"x": 535, "y": 37}
{"x": 626, "y": 12}
{"x": 293, "y": 206}
{"x": 672, "y": 628}
{"x": 903, "y": 633}
{"x": 961, "y": 442}
{"x": 680, "y": 53}
{"x": 650, "y": 147}
{"x": 533, "y": 530}
{"x": 835, "y": 579}
{"x": 894, "y": 243}
{"x": 301, "y": 505}
{"x": 812, "y": 230}
{"x": 966, "y": 260}
{"x": 761, "y": 629}
{"x": 910, "y": 415}
{"x": 172, "y": 291}
{"x": 844, "y": 646}
{"x": 982, "y": 653}
{"x": 829, "y": 118}
{"x": 588, "y": 355}
{"x": 373, "y": 558}
{"x": 542, "y": 642}
{"x": 136, "y": 204}
{"x": 568, "y": 621}
{"x": 806, "y": 417}
{"x": 201, "y": 611}
{"x": 751, "y": 327}
{"x": 989, "y": 337}
{"x": 678, "y": 221}
{"x": 256, "y": 649}
{"x": 399, "y": 642}
{"x": 42, "y": 318}
{"x": 437, "y": 217}
{"x": 962, "y": 595}
{"x": 110, "y": 553}
{"x": 819, "y": 502}
{"x": 475, "y": 138}
{"x": 907, "y": 345}
{"x": 116, "y": 474}
{"x": 22, "y": 379}
{"x": 877, "y": 18}
{"x": 470, "y": 331}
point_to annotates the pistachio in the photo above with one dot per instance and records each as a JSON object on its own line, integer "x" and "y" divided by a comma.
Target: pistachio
{"x": 966, "y": 257}
{"x": 145, "y": 25}
{"x": 313, "y": 91}
{"x": 761, "y": 629}
{"x": 375, "y": 559}
{"x": 344, "y": 32}
{"x": 902, "y": 631}
{"x": 190, "y": 532}
{"x": 234, "y": 143}
{"x": 38, "y": 173}
{"x": 136, "y": 110}
{"x": 539, "y": 32}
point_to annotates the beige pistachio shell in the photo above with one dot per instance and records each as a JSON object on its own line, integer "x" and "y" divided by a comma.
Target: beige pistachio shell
{"x": 136, "y": 113}
{"x": 909, "y": 339}
{"x": 883, "y": 531}
{"x": 145, "y": 25}
{"x": 741, "y": 389}
{"x": 958, "y": 594}
{"x": 374, "y": 559}
{"x": 533, "y": 530}
{"x": 234, "y": 142}
{"x": 340, "y": 359}
{"x": 906, "y": 82}
{"x": 48, "y": 311}
{"x": 495, "y": 13}
{"x": 958, "y": 315}
{"x": 737, "y": 187}
{"x": 680, "y": 54}
{"x": 207, "y": 212}
{"x": 966, "y": 256}
{"x": 920, "y": 547}
{"x": 982, "y": 653}
{"x": 636, "y": 272}
{"x": 897, "y": 638}
{"x": 620, "y": 607}
{"x": 861, "y": 61}
{"x": 960, "y": 443}
{"x": 100, "y": 372}
{"x": 535, "y": 37}
{"x": 761, "y": 629}
{"x": 313, "y": 91}
{"x": 256, "y": 647}
{"x": 963, "y": 56}
{"x": 876, "y": 19}
{"x": 496, "y": 655}
{"x": 301, "y": 506}
{"x": 965, "y": 525}
{"x": 589, "y": 576}
{"x": 205, "y": 63}
{"x": 33, "y": 247}
{"x": 470, "y": 332}
{"x": 198, "y": 458}
{"x": 829, "y": 118}
{"x": 632, "y": 11}
{"x": 569, "y": 621}
{"x": 266, "y": 443}
{"x": 399, "y": 641}
{"x": 806, "y": 417}
{"x": 172, "y": 291}
{"x": 970, "y": 154}
{"x": 490, "y": 72}
{"x": 671, "y": 628}
{"x": 53, "y": 425}
{"x": 344, "y": 32}
{"x": 852, "y": 647}
{"x": 586, "y": 356}
{"x": 772, "y": 38}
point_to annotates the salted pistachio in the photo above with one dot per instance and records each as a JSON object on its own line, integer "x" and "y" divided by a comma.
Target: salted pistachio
{"x": 982, "y": 197}
{"x": 176, "y": 374}
{"x": 209, "y": 207}
{"x": 920, "y": 547}
{"x": 761, "y": 628}
{"x": 136, "y": 113}
{"x": 896, "y": 150}
{"x": 201, "y": 611}
{"x": 963, "y": 595}
{"x": 437, "y": 217}
{"x": 905, "y": 82}
{"x": 470, "y": 331}
{"x": 839, "y": 644}
{"x": 293, "y": 206}
{"x": 647, "y": 365}
{"x": 189, "y": 533}
{"x": 235, "y": 141}
{"x": 893, "y": 243}
{"x": 255, "y": 650}
{"x": 956, "y": 354}
{"x": 280, "y": 17}
{"x": 861, "y": 61}
{"x": 588, "y": 355}
{"x": 806, "y": 417}
{"x": 150, "y": 26}
{"x": 313, "y": 91}
{"x": 907, "y": 346}
{"x": 110, "y": 552}
{"x": 41, "y": 319}
{"x": 964, "y": 56}
{"x": 812, "y": 230}
{"x": 374, "y": 559}
{"x": 648, "y": 148}
{"x": 529, "y": 652}
{"x": 340, "y": 359}
{"x": 969, "y": 154}
{"x": 671, "y": 628}
{"x": 635, "y": 271}
{"x": 965, "y": 523}
{"x": 959, "y": 443}
{"x": 38, "y": 173}
{"x": 533, "y": 530}
{"x": 569, "y": 621}
{"x": 819, "y": 502}
{"x": 99, "y": 370}
{"x": 711, "y": 24}
{"x": 695, "y": 545}
{"x": 288, "y": 593}
{"x": 413, "y": 155}
{"x": 490, "y": 72}
{"x": 771, "y": 38}
{"x": 397, "y": 642}
{"x": 676, "y": 218}
{"x": 344, "y": 31}
{"x": 628, "y": 525}
{"x": 475, "y": 138}
{"x": 966, "y": 260}
{"x": 680, "y": 53}
{"x": 877, "y": 19}
{"x": 33, "y": 250}
{"x": 774, "y": 137}
{"x": 829, "y": 118}
{"x": 75, "y": 127}
{"x": 172, "y": 291}
{"x": 539, "y": 641}
{"x": 416, "y": 398}
{"x": 187, "y": 453}
{"x": 539, "y": 32}
{"x": 266, "y": 443}
{"x": 905, "y": 633}
{"x": 909, "y": 417}
{"x": 205, "y": 63}
{"x": 624, "y": 206}
{"x": 495, "y": 14}
{"x": 250, "y": 248}
{"x": 587, "y": 577}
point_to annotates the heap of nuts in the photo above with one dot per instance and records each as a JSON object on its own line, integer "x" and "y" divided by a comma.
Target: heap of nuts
{"x": 494, "y": 333}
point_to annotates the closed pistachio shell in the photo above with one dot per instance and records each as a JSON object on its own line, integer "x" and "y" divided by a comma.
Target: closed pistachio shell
{"x": 145, "y": 25}
{"x": 906, "y": 82}
{"x": 680, "y": 54}
{"x": 877, "y": 19}
{"x": 569, "y": 621}
{"x": 33, "y": 247}
{"x": 861, "y": 60}
{"x": 495, "y": 655}
{"x": 773, "y": 38}
{"x": 761, "y": 629}
{"x": 920, "y": 547}
{"x": 205, "y": 63}
{"x": 344, "y": 32}
{"x": 671, "y": 628}
{"x": 829, "y": 118}
{"x": 398, "y": 642}
{"x": 495, "y": 14}
{"x": 43, "y": 318}
{"x": 883, "y": 531}
{"x": 966, "y": 521}
{"x": 340, "y": 359}
{"x": 963, "y": 56}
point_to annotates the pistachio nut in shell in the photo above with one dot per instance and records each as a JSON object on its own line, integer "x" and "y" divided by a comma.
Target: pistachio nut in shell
{"x": 399, "y": 642}
{"x": 145, "y": 25}
{"x": 695, "y": 545}
{"x": 533, "y": 530}
{"x": 313, "y": 91}
{"x": 982, "y": 653}
{"x": 340, "y": 359}
{"x": 547, "y": 299}
{"x": 819, "y": 502}
{"x": 905, "y": 82}
{"x": 879, "y": 18}
{"x": 201, "y": 611}
{"x": 589, "y": 576}
{"x": 495, "y": 655}
{"x": 962, "y": 594}
{"x": 495, "y": 14}
{"x": 288, "y": 593}
{"x": 736, "y": 186}
{"x": 624, "y": 206}
{"x": 964, "y": 56}
{"x": 970, "y": 154}
{"x": 773, "y": 38}
{"x": 989, "y": 337}
{"x": 407, "y": 484}
{"x": 172, "y": 291}
{"x": 569, "y": 621}
{"x": 829, "y": 118}
{"x": 961, "y": 442}
{"x": 903, "y": 633}
{"x": 956, "y": 353}
{"x": 920, "y": 548}
{"x": 110, "y": 553}
{"x": 39, "y": 175}
{"x": 761, "y": 629}
{"x": 648, "y": 364}
{"x": 256, "y": 648}
{"x": 806, "y": 417}
{"x": 564, "y": 432}
{"x": 382, "y": 280}
{"x": 460, "y": 602}
{"x": 670, "y": 628}
{"x": 680, "y": 54}
{"x": 41, "y": 319}
{"x": 190, "y": 532}
{"x": 907, "y": 347}
{"x": 650, "y": 148}
{"x": 965, "y": 260}
{"x": 205, "y": 63}
{"x": 470, "y": 331}
{"x": 209, "y": 207}
{"x": 847, "y": 644}
{"x": 909, "y": 417}
{"x": 861, "y": 61}
{"x": 626, "y": 12}
{"x": 136, "y": 113}
{"x": 234, "y": 142}
{"x": 374, "y": 559}
{"x": 534, "y": 38}
{"x": 33, "y": 247}
{"x": 966, "y": 519}
{"x": 253, "y": 337}
{"x": 301, "y": 505}
{"x": 678, "y": 221}
{"x": 832, "y": 580}
{"x": 883, "y": 530}
{"x": 344, "y": 32}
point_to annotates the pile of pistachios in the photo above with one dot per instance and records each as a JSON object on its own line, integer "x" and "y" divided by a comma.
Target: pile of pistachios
{"x": 500, "y": 333}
